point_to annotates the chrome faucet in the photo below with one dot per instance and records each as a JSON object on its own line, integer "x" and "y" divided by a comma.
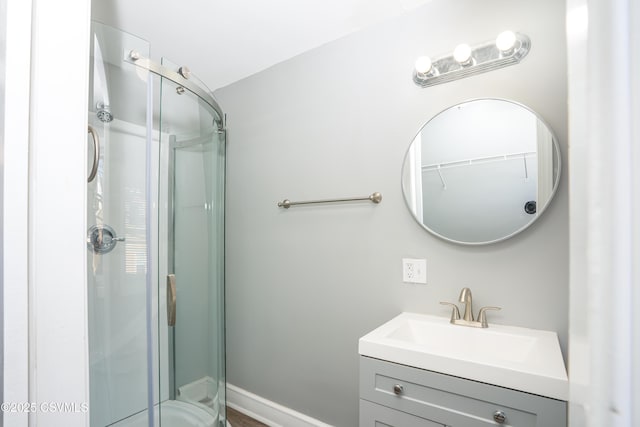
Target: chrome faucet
{"x": 467, "y": 318}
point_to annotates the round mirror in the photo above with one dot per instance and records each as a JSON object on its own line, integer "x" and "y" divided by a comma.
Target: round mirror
{"x": 481, "y": 171}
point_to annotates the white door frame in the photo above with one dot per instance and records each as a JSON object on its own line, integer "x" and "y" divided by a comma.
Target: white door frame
{"x": 16, "y": 22}
{"x": 44, "y": 190}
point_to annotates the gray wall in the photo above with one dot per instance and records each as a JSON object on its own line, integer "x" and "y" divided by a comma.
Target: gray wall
{"x": 304, "y": 284}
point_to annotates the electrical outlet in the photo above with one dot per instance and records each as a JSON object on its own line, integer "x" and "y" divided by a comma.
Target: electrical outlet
{"x": 414, "y": 270}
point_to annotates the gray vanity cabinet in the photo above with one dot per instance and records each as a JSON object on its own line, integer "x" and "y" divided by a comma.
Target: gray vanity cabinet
{"x": 393, "y": 395}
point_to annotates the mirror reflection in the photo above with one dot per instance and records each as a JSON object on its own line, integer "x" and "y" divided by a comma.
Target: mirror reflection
{"x": 481, "y": 171}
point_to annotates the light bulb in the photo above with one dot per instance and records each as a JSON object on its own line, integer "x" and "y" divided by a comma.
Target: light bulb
{"x": 423, "y": 65}
{"x": 506, "y": 41}
{"x": 462, "y": 54}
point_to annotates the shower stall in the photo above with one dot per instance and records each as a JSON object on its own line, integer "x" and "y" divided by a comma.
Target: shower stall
{"x": 155, "y": 243}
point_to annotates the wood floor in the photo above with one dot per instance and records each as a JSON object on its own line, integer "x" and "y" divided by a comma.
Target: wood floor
{"x": 238, "y": 419}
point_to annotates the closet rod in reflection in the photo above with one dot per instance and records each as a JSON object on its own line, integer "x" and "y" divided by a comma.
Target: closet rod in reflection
{"x": 479, "y": 160}
{"x": 373, "y": 197}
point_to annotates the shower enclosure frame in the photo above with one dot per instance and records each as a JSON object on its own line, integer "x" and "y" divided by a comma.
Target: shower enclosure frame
{"x": 154, "y": 273}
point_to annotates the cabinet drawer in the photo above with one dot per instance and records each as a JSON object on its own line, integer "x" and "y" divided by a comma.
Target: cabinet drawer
{"x": 454, "y": 401}
{"x": 372, "y": 415}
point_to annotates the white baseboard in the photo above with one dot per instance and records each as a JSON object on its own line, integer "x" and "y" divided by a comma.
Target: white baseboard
{"x": 266, "y": 411}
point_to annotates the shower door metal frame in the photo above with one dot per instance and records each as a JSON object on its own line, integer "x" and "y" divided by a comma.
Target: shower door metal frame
{"x": 171, "y": 263}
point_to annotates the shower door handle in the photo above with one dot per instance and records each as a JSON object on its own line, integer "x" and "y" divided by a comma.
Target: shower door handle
{"x": 96, "y": 154}
{"x": 171, "y": 299}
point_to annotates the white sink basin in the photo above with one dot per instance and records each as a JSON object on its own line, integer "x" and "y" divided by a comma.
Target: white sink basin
{"x": 518, "y": 358}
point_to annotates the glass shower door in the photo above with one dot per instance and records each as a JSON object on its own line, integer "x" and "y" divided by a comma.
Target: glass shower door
{"x": 193, "y": 150}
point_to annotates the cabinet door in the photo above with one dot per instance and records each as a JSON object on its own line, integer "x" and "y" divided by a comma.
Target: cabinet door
{"x": 372, "y": 415}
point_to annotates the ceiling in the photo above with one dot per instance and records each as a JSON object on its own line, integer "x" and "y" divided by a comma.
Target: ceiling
{"x": 223, "y": 41}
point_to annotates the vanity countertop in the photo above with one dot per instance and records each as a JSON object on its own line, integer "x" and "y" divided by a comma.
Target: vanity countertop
{"x": 518, "y": 358}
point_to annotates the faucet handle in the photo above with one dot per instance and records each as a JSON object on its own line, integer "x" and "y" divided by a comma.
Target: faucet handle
{"x": 455, "y": 313}
{"x": 482, "y": 317}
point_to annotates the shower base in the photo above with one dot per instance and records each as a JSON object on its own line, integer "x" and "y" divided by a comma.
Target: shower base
{"x": 174, "y": 414}
{"x": 202, "y": 393}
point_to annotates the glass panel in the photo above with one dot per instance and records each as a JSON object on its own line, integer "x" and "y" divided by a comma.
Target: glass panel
{"x": 194, "y": 157}
{"x": 117, "y": 263}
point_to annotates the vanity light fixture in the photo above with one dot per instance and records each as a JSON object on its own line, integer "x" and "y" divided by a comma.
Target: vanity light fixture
{"x": 507, "y": 49}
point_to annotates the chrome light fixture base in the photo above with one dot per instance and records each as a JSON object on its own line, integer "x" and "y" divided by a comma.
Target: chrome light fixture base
{"x": 484, "y": 57}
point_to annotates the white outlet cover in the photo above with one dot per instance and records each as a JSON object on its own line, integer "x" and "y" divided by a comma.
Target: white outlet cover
{"x": 414, "y": 270}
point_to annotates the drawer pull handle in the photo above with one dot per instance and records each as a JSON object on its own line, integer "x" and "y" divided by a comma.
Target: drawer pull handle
{"x": 499, "y": 417}
{"x": 398, "y": 389}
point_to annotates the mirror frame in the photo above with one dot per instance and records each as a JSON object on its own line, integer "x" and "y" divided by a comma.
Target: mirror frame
{"x": 558, "y": 153}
